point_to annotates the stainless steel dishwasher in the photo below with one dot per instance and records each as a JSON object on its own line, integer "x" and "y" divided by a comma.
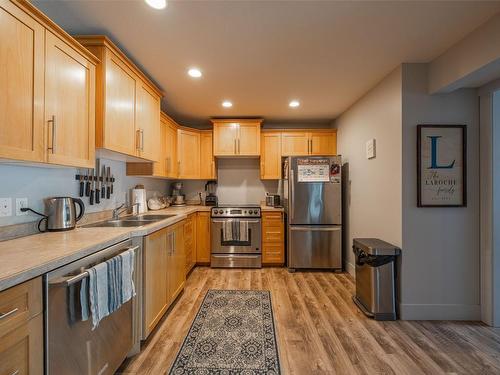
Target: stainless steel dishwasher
{"x": 71, "y": 346}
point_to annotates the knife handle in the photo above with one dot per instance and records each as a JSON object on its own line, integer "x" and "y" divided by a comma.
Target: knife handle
{"x": 103, "y": 192}
{"x": 87, "y": 188}
{"x": 111, "y": 187}
{"x": 108, "y": 192}
{"x": 82, "y": 188}
{"x": 97, "y": 196}
{"x": 91, "y": 197}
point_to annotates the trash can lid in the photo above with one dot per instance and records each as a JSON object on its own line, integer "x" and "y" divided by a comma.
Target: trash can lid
{"x": 375, "y": 246}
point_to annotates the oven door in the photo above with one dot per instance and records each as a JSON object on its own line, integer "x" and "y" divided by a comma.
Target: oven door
{"x": 252, "y": 246}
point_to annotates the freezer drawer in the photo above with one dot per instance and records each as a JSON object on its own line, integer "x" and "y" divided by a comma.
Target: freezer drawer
{"x": 312, "y": 246}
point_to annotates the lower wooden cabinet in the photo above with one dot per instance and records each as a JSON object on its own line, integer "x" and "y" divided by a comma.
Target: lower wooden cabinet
{"x": 203, "y": 238}
{"x": 21, "y": 329}
{"x": 164, "y": 273}
{"x": 273, "y": 238}
{"x": 190, "y": 242}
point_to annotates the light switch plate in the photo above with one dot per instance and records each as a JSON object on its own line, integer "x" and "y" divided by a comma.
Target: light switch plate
{"x": 21, "y": 203}
{"x": 5, "y": 207}
{"x": 370, "y": 149}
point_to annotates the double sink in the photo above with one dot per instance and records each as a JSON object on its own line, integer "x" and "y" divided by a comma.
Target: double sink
{"x": 129, "y": 221}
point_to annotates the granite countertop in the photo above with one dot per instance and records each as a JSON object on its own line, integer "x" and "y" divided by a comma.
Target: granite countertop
{"x": 28, "y": 257}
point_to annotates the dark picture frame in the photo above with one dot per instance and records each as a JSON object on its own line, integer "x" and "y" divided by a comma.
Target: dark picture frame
{"x": 440, "y": 182}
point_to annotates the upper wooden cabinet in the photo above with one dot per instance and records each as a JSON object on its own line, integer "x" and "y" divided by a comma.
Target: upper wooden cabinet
{"x": 207, "y": 160}
{"x": 127, "y": 103}
{"x": 236, "y": 137}
{"x": 171, "y": 147}
{"x": 188, "y": 153}
{"x": 314, "y": 142}
{"x": 270, "y": 156}
{"x": 47, "y": 98}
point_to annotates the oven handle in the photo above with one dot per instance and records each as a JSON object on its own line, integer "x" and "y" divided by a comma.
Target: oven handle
{"x": 74, "y": 279}
{"x": 248, "y": 221}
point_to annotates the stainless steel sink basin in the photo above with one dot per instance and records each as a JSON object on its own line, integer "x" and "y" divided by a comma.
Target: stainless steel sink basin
{"x": 151, "y": 217}
{"x": 119, "y": 223}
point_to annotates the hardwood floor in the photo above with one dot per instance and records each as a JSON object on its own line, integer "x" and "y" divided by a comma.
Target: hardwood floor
{"x": 320, "y": 330}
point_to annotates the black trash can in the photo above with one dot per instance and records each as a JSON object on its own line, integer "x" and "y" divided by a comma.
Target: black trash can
{"x": 376, "y": 277}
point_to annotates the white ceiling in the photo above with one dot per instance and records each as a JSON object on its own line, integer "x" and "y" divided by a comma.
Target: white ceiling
{"x": 261, "y": 54}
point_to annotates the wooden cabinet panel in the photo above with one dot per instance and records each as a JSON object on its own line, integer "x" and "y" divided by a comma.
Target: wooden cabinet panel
{"x": 190, "y": 242}
{"x": 22, "y": 76}
{"x": 207, "y": 161}
{"x": 323, "y": 143}
{"x": 272, "y": 234}
{"x": 225, "y": 139}
{"x": 160, "y": 167}
{"x": 176, "y": 273}
{"x": 273, "y": 238}
{"x": 21, "y": 350}
{"x": 188, "y": 153}
{"x": 171, "y": 150}
{"x": 69, "y": 104}
{"x": 203, "y": 237}
{"x": 273, "y": 253}
{"x": 249, "y": 139}
{"x": 294, "y": 143}
{"x": 119, "y": 120}
{"x": 156, "y": 293}
{"x": 270, "y": 158}
{"x": 148, "y": 122}
{"x": 19, "y": 304}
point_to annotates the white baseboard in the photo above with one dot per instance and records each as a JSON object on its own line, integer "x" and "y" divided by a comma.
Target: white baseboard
{"x": 349, "y": 267}
{"x": 439, "y": 312}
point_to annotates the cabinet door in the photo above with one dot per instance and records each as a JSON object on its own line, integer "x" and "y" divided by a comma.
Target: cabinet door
{"x": 188, "y": 153}
{"x": 21, "y": 350}
{"x": 323, "y": 143}
{"x": 22, "y": 78}
{"x": 249, "y": 139}
{"x": 69, "y": 104}
{"x": 160, "y": 167}
{"x": 119, "y": 120}
{"x": 225, "y": 139}
{"x": 148, "y": 122}
{"x": 207, "y": 161}
{"x": 203, "y": 237}
{"x": 294, "y": 143}
{"x": 177, "y": 261}
{"x": 270, "y": 158}
{"x": 171, "y": 151}
{"x": 156, "y": 299}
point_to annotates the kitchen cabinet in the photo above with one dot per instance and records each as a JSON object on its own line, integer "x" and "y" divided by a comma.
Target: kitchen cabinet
{"x": 127, "y": 103}
{"x": 171, "y": 147}
{"x": 188, "y": 153}
{"x": 273, "y": 238}
{"x": 48, "y": 86}
{"x": 207, "y": 161}
{"x": 270, "y": 157}
{"x": 190, "y": 242}
{"x": 236, "y": 137}
{"x": 21, "y": 329}
{"x": 314, "y": 142}
{"x": 164, "y": 273}
{"x": 69, "y": 104}
{"x": 203, "y": 238}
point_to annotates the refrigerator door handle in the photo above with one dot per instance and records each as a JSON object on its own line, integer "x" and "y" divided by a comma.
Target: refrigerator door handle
{"x": 292, "y": 193}
{"x": 315, "y": 228}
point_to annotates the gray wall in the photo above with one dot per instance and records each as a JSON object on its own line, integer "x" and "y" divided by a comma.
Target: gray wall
{"x": 373, "y": 187}
{"x": 440, "y": 262}
{"x": 36, "y": 183}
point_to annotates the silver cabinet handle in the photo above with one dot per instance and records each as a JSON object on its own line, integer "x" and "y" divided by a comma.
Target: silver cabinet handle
{"x": 5, "y": 315}
{"x": 137, "y": 140}
{"x": 142, "y": 140}
{"x": 314, "y": 229}
{"x": 53, "y": 122}
{"x": 15, "y": 372}
{"x": 239, "y": 149}
{"x": 235, "y": 147}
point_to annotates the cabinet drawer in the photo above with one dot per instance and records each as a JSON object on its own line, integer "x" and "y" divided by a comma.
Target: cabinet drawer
{"x": 273, "y": 253}
{"x": 272, "y": 217}
{"x": 19, "y": 304}
{"x": 21, "y": 351}
{"x": 272, "y": 234}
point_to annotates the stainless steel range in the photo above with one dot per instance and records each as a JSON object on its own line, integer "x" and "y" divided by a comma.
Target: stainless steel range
{"x": 236, "y": 236}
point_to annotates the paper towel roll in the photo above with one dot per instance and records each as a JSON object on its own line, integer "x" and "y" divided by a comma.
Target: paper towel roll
{"x": 139, "y": 196}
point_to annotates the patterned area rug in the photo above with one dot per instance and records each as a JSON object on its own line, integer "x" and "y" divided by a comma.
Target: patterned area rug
{"x": 233, "y": 333}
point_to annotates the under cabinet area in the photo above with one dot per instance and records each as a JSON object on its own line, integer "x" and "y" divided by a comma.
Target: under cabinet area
{"x": 164, "y": 273}
{"x": 48, "y": 90}
{"x": 21, "y": 329}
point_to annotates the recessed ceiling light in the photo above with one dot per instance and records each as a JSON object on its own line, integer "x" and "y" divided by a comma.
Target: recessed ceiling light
{"x": 194, "y": 72}
{"x": 157, "y": 4}
{"x": 294, "y": 103}
{"x": 227, "y": 104}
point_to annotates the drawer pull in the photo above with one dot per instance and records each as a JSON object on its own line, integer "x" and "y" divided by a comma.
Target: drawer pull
{"x": 15, "y": 372}
{"x": 5, "y": 315}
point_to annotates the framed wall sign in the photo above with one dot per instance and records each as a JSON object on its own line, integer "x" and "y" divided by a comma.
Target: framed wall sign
{"x": 441, "y": 165}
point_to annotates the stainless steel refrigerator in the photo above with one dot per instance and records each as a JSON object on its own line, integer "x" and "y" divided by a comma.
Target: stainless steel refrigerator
{"x": 312, "y": 192}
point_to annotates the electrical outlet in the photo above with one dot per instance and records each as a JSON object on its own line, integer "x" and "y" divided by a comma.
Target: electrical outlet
{"x": 5, "y": 207}
{"x": 21, "y": 203}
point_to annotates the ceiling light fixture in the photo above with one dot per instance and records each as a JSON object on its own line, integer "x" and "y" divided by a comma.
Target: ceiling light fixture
{"x": 194, "y": 72}
{"x": 157, "y": 4}
{"x": 227, "y": 104}
{"x": 294, "y": 104}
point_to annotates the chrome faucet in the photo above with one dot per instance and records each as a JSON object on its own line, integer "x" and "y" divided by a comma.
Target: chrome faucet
{"x": 122, "y": 208}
